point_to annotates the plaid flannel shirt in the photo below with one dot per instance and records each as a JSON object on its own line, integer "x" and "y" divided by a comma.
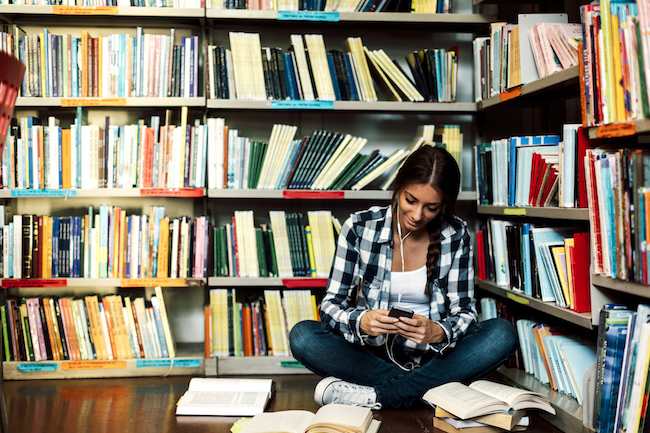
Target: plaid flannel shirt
{"x": 365, "y": 250}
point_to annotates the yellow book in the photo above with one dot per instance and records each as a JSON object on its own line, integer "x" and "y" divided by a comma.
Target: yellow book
{"x": 619, "y": 89}
{"x": 380, "y": 77}
{"x": 559, "y": 258}
{"x": 314, "y": 307}
{"x": 48, "y": 247}
{"x": 568, "y": 250}
{"x": 58, "y": 347}
{"x": 163, "y": 248}
{"x": 133, "y": 332}
{"x": 608, "y": 73}
{"x": 66, "y": 155}
{"x": 310, "y": 245}
{"x": 92, "y": 306}
{"x": 169, "y": 337}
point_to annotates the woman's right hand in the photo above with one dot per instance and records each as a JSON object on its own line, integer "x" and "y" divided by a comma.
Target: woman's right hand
{"x": 378, "y": 322}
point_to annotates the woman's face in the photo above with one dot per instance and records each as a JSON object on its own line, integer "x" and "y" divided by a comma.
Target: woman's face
{"x": 418, "y": 205}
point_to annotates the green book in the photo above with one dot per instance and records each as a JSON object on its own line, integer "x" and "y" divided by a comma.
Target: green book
{"x": 641, "y": 68}
{"x": 304, "y": 247}
{"x": 269, "y": 246}
{"x": 223, "y": 252}
{"x": 261, "y": 257}
{"x": 5, "y": 336}
{"x": 215, "y": 252}
{"x": 29, "y": 349}
{"x": 349, "y": 171}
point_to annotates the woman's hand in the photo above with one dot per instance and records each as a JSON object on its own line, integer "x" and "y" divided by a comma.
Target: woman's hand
{"x": 420, "y": 330}
{"x": 377, "y": 322}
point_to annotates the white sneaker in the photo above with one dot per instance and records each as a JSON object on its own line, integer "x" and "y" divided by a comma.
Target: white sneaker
{"x": 333, "y": 390}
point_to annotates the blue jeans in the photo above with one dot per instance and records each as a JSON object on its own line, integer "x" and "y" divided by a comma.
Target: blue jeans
{"x": 485, "y": 346}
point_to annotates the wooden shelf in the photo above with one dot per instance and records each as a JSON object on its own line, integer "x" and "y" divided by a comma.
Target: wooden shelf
{"x": 581, "y": 214}
{"x": 568, "y": 416}
{"x": 628, "y": 287}
{"x": 309, "y": 194}
{"x": 13, "y": 283}
{"x": 295, "y": 282}
{"x": 190, "y": 361}
{"x": 558, "y": 82}
{"x": 104, "y": 11}
{"x": 442, "y": 22}
{"x": 265, "y": 365}
{"x": 581, "y": 319}
{"x": 104, "y": 192}
{"x": 381, "y": 106}
{"x": 635, "y": 127}
{"x": 53, "y": 103}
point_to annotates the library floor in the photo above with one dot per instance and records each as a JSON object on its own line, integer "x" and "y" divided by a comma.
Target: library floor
{"x": 147, "y": 405}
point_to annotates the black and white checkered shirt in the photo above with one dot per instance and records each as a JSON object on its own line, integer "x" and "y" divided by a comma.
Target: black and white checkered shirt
{"x": 365, "y": 250}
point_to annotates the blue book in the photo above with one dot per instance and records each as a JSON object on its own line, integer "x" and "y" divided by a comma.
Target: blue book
{"x": 615, "y": 336}
{"x": 335, "y": 81}
{"x": 579, "y": 356}
{"x": 54, "y": 71}
{"x": 290, "y": 165}
{"x": 159, "y": 327}
{"x": 610, "y": 218}
{"x": 73, "y": 67}
{"x": 291, "y": 153}
{"x": 59, "y": 144}
{"x": 128, "y": 247}
{"x": 182, "y": 92}
{"x": 30, "y": 153}
{"x": 55, "y": 247}
{"x": 526, "y": 258}
{"x": 353, "y": 83}
{"x": 290, "y": 75}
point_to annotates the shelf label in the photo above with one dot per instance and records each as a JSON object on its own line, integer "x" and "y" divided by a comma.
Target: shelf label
{"x": 338, "y": 195}
{"x": 27, "y": 282}
{"x": 144, "y": 363}
{"x": 93, "y": 365}
{"x": 187, "y": 363}
{"x": 510, "y": 94}
{"x": 85, "y": 10}
{"x": 294, "y": 283}
{"x": 152, "y": 282}
{"x": 616, "y": 130}
{"x": 302, "y": 105}
{"x": 37, "y": 367}
{"x": 93, "y": 102}
{"x": 172, "y": 192}
{"x": 43, "y": 193}
{"x": 517, "y": 298}
{"x": 517, "y": 211}
{"x": 332, "y": 17}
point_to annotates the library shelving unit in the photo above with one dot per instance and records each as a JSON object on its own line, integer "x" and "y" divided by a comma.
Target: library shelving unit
{"x": 189, "y": 359}
{"x": 535, "y": 100}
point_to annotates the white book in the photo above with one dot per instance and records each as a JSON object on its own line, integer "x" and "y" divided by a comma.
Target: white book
{"x": 303, "y": 76}
{"x": 225, "y": 397}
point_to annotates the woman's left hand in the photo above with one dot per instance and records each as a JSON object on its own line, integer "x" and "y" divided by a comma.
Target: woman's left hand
{"x": 420, "y": 330}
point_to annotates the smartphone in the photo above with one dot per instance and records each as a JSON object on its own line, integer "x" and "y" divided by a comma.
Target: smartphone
{"x": 397, "y": 311}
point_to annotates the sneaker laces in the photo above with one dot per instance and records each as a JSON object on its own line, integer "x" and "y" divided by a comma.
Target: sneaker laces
{"x": 355, "y": 395}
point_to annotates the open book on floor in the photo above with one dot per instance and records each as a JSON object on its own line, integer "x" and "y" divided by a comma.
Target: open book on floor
{"x": 331, "y": 418}
{"x": 503, "y": 420}
{"x": 225, "y": 397}
{"x": 483, "y": 397}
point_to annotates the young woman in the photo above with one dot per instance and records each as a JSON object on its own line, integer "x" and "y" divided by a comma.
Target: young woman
{"x": 415, "y": 254}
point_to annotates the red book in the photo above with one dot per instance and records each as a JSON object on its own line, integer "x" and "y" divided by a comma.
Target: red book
{"x": 594, "y": 212}
{"x": 247, "y": 329}
{"x": 581, "y": 282}
{"x": 548, "y": 187}
{"x": 70, "y": 331}
{"x": 533, "y": 178}
{"x": 206, "y": 330}
{"x": 234, "y": 246}
{"x": 481, "y": 255}
{"x": 147, "y": 166}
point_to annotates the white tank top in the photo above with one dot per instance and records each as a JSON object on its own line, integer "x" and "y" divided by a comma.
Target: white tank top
{"x": 410, "y": 285}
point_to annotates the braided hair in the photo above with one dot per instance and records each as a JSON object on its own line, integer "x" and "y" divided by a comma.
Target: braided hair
{"x": 436, "y": 167}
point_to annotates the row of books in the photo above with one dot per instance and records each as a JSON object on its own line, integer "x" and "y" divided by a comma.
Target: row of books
{"x": 415, "y": 6}
{"x": 620, "y": 374}
{"x": 120, "y": 3}
{"x": 106, "y": 244}
{"x": 615, "y": 63}
{"x": 556, "y": 357}
{"x": 307, "y": 71}
{"x": 287, "y": 248}
{"x": 535, "y": 46}
{"x": 46, "y": 156}
{"x": 550, "y": 264}
{"x": 113, "y": 66}
{"x": 254, "y": 327}
{"x": 325, "y": 160}
{"x": 67, "y": 328}
{"x": 619, "y": 199}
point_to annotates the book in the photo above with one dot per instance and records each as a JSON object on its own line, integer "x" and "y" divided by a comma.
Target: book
{"x": 503, "y": 420}
{"x": 333, "y": 418}
{"x": 450, "y": 425}
{"x": 225, "y": 397}
{"x": 484, "y": 397}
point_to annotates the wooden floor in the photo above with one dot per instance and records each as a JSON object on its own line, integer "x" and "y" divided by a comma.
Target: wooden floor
{"x": 147, "y": 405}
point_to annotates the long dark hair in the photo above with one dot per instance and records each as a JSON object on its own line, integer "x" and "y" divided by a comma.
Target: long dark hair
{"x": 436, "y": 167}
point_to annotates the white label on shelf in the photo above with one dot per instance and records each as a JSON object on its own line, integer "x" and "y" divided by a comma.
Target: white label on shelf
{"x": 144, "y": 363}
{"x": 302, "y": 105}
{"x": 308, "y": 16}
{"x": 36, "y": 367}
{"x": 187, "y": 363}
{"x": 43, "y": 193}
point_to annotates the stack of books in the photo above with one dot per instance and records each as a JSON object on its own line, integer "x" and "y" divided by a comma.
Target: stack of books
{"x": 111, "y": 327}
{"x": 254, "y": 326}
{"x": 308, "y": 72}
{"x": 114, "y": 66}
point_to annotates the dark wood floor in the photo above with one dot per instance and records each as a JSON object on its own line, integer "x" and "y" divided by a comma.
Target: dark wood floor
{"x": 145, "y": 405}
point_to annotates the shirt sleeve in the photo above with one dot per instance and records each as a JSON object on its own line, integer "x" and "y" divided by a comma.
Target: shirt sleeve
{"x": 460, "y": 294}
{"x": 337, "y": 309}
